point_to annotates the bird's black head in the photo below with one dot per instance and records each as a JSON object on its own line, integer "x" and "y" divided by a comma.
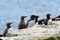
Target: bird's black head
{"x": 9, "y": 25}
{"x": 48, "y": 16}
{"x": 36, "y": 16}
{"x": 32, "y": 17}
{"x": 22, "y": 17}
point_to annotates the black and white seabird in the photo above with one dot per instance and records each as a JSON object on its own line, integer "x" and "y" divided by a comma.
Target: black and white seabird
{"x": 47, "y": 21}
{"x": 31, "y": 21}
{"x": 6, "y": 30}
{"x": 22, "y": 24}
{"x": 41, "y": 22}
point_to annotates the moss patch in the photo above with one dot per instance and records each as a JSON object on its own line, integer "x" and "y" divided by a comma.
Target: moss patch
{"x": 0, "y": 39}
{"x": 51, "y": 38}
{"x": 58, "y": 38}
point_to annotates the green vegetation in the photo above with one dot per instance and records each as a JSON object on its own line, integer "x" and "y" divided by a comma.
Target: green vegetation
{"x": 51, "y": 38}
{"x": 58, "y": 38}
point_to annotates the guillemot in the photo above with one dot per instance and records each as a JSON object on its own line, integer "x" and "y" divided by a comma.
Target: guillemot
{"x": 31, "y": 21}
{"x": 41, "y": 22}
{"x": 8, "y": 25}
{"x": 22, "y": 24}
{"x": 47, "y": 21}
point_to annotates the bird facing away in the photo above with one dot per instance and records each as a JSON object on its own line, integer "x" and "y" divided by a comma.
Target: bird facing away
{"x": 22, "y": 24}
